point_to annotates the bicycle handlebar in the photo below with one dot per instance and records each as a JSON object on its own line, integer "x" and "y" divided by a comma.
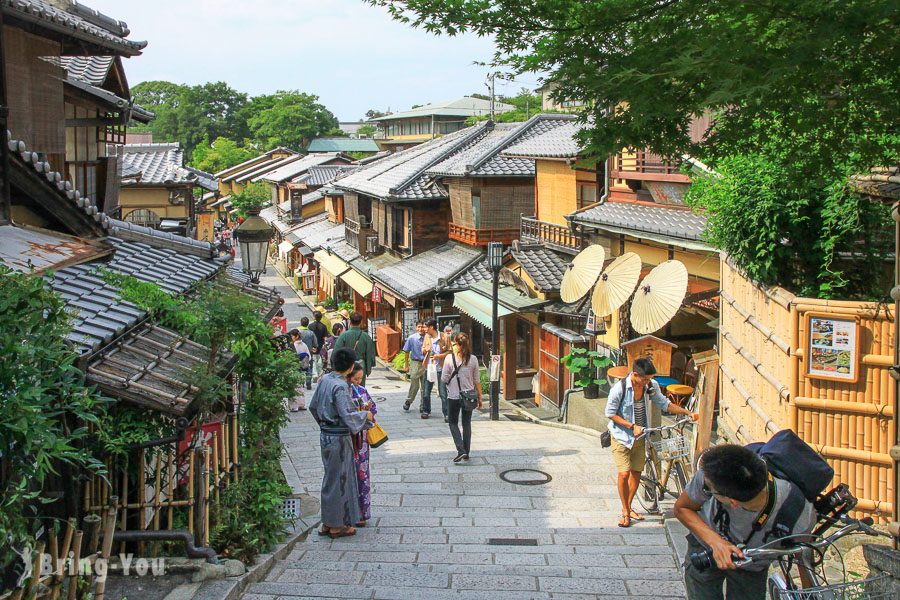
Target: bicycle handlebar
{"x": 676, "y": 425}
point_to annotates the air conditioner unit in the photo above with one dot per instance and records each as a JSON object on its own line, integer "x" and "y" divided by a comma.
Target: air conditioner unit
{"x": 372, "y": 245}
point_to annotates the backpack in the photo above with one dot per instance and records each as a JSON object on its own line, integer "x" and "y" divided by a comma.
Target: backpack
{"x": 789, "y": 458}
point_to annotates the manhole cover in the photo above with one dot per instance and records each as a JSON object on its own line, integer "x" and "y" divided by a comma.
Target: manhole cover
{"x": 512, "y": 542}
{"x": 525, "y": 477}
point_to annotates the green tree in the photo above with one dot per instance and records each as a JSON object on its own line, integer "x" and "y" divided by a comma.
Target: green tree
{"x": 291, "y": 119}
{"x": 254, "y": 195}
{"x": 219, "y": 155}
{"x": 825, "y": 67}
{"x": 366, "y": 131}
{"x": 527, "y": 104}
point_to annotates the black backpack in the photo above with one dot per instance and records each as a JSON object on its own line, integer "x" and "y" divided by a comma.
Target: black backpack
{"x": 789, "y": 458}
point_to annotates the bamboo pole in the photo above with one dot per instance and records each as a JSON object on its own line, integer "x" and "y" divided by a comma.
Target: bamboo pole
{"x": 767, "y": 333}
{"x": 108, "y": 533}
{"x": 76, "y": 558}
{"x": 757, "y": 364}
{"x": 748, "y": 399}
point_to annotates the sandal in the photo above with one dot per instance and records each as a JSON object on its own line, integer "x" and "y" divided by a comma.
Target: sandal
{"x": 343, "y": 532}
{"x": 634, "y": 516}
{"x": 323, "y": 531}
{"x": 625, "y": 521}
{"x": 361, "y": 524}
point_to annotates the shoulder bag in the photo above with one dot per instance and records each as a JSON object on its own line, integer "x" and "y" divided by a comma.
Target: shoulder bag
{"x": 376, "y": 435}
{"x": 468, "y": 398}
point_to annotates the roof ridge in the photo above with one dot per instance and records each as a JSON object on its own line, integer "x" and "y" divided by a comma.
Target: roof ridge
{"x": 478, "y": 129}
{"x": 516, "y": 135}
{"x": 131, "y": 231}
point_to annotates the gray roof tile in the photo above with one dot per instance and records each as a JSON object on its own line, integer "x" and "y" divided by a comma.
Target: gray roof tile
{"x": 670, "y": 222}
{"x": 468, "y": 277}
{"x": 92, "y": 69}
{"x": 419, "y": 274}
{"x": 403, "y": 175}
{"x": 161, "y": 164}
{"x": 545, "y": 267}
{"x": 147, "y": 235}
{"x": 321, "y": 174}
{"x": 77, "y": 21}
{"x": 554, "y": 138}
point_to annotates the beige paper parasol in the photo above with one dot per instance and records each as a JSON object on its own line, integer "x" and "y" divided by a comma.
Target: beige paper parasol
{"x": 616, "y": 283}
{"x": 582, "y": 273}
{"x": 659, "y": 296}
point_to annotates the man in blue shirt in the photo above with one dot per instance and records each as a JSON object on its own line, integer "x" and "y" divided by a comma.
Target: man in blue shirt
{"x": 414, "y": 356}
{"x": 627, "y": 411}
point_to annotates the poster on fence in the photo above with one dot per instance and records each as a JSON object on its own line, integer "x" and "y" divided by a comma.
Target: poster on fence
{"x": 833, "y": 348}
{"x": 210, "y": 433}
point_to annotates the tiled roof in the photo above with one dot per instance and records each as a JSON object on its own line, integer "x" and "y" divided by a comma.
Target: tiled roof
{"x": 296, "y": 167}
{"x": 98, "y": 314}
{"x": 645, "y": 218}
{"x": 205, "y": 180}
{"x": 342, "y": 145}
{"x": 463, "y": 107}
{"x": 158, "y": 163}
{"x": 553, "y": 139}
{"x": 545, "y": 267}
{"x": 254, "y": 173}
{"x": 372, "y": 264}
{"x": 321, "y": 174}
{"x": 419, "y": 274}
{"x": 139, "y": 233}
{"x": 37, "y": 250}
{"x": 235, "y": 170}
{"x": 75, "y": 20}
{"x": 403, "y": 175}
{"x": 93, "y": 69}
{"x": 310, "y": 230}
{"x": 20, "y": 153}
{"x": 882, "y": 182}
{"x": 342, "y": 249}
{"x": 469, "y": 276}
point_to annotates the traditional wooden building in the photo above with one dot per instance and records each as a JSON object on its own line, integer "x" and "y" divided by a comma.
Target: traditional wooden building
{"x": 157, "y": 190}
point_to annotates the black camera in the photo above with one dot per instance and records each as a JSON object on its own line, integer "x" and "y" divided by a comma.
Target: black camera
{"x": 703, "y": 559}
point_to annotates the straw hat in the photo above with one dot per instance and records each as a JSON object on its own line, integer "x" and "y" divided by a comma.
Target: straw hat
{"x": 345, "y": 313}
{"x": 659, "y": 296}
{"x": 616, "y": 284}
{"x": 582, "y": 273}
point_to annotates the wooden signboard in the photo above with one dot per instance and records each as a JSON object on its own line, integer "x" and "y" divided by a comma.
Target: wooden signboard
{"x": 654, "y": 348}
{"x": 309, "y": 281}
{"x": 409, "y": 317}
{"x": 832, "y": 347}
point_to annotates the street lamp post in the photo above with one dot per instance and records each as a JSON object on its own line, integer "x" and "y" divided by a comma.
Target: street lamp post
{"x": 253, "y": 237}
{"x": 495, "y": 258}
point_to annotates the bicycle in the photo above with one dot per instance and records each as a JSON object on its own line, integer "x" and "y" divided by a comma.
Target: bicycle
{"x": 808, "y": 552}
{"x": 671, "y": 451}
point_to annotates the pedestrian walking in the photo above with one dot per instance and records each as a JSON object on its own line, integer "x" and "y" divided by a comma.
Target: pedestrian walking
{"x": 415, "y": 355}
{"x": 335, "y": 412}
{"x": 279, "y": 323}
{"x": 363, "y": 401}
{"x": 437, "y": 348}
{"x": 462, "y": 376}
{"x": 321, "y": 333}
{"x": 302, "y": 351}
{"x": 345, "y": 318}
{"x": 627, "y": 410}
{"x": 312, "y": 342}
{"x": 360, "y": 342}
{"x": 328, "y": 347}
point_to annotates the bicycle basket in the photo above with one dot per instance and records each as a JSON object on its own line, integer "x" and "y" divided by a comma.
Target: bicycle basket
{"x": 873, "y": 588}
{"x": 668, "y": 448}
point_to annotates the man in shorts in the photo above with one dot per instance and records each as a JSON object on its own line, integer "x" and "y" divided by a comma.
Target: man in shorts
{"x": 627, "y": 410}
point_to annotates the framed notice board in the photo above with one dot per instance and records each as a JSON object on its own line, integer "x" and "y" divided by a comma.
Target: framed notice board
{"x": 409, "y": 316}
{"x": 832, "y": 347}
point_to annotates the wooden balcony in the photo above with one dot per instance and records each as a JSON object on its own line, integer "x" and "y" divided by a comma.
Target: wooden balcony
{"x": 481, "y": 237}
{"x": 558, "y": 237}
{"x": 646, "y": 166}
{"x": 364, "y": 239}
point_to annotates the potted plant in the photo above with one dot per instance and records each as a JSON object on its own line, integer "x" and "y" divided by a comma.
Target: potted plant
{"x": 584, "y": 365}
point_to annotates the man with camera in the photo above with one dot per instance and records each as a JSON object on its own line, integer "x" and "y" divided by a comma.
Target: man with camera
{"x": 733, "y": 502}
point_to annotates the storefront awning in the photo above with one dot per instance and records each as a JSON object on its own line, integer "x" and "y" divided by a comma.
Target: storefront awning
{"x": 478, "y": 307}
{"x": 331, "y": 263}
{"x": 358, "y": 282}
{"x": 285, "y": 247}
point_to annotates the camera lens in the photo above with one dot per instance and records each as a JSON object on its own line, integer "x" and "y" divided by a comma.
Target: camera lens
{"x": 701, "y": 560}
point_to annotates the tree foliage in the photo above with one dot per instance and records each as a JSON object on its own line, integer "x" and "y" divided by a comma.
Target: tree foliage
{"x": 192, "y": 115}
{"x": 45, "y": 408}
{"x": 291, "y": 119}
{"x": 219, "y": 155}
{"x": 828, "y": 67}
{"x": 526, "y": 105}
{"x": 254, "y": 195}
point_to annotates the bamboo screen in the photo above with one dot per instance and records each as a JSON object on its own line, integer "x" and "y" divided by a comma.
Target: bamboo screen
{"x": 764, "y": 387}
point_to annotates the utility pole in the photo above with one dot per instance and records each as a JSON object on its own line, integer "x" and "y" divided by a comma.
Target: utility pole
{"x": 490, "y": 87}
{"x": 5, "y": 208}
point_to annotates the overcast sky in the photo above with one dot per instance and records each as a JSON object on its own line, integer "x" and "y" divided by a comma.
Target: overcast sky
{"x": 350, "y": 54}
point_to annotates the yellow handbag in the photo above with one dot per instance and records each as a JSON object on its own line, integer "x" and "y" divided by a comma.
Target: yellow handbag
{"x": 376, "y": 435}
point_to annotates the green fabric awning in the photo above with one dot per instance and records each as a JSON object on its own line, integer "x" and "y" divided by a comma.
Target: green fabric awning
{"x": 478, "y": 307}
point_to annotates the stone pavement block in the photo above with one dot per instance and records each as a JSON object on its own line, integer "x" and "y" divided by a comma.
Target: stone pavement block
{"x": 472, "y": 581}
{"x": 422, "y": 579}
{"x": 588, "y": 538}
{"x": 657, "y": 588}
{"x": 521, "y": 559}
{"x": 431, "y": 477}
{"x": 293, "y": 590}
{"x": 628, "y": 573}
{"x": 310, "y": 576}
{"x": 385, "y": 499}
{"x": 502, "y": 569}
{"x": 501, "y": 595}
{"x": 456, "y": 522}
{"x": 424, "y": 538}
{"x": 546, "y": 549}
{"x": 376, "y": 554}
{"x": 442, "y": 557}
{"x": 626, "y": 549}
{"x": 495, "y": 522}
{"x": 585, "y": 560}
{"x": 650, "y": 560}
{"x": 489, "y": 502}
{"x": 610, "y": 587}
{"x": 428, "y": 500}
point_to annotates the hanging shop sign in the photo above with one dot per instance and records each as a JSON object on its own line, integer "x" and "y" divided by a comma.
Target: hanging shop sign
{"x": 832, "y": 347}
{"x": 376, "y": 294}
{"x": 309, "y": 281}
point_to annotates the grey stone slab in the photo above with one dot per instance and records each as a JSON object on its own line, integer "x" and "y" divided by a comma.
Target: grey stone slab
{"x": 456, "y": 522}
{"x": 585, "y": 586}
{"x": 657, "y": 588}
{"x": 380, "y": 555}
{"x": 443, "y": 557}
{"x": 521, "y": 559}
{"x": 424, "y": 538}
{"x": 310, "y": 576}
{"x": 429, "y": 500}
{"x": 502, "y": 569}
{"x": 585, "y": 560}
{"x": 649, "y": 560}
{"x": 490, "y": 502}
{"x": 493, "y": 582}
{"x": 626, "y": 549}
{"x": 421, "y": 579}
{"x": 292, "y": 590}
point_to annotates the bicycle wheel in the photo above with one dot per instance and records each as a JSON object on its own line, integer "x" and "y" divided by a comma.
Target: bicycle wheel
{"x": 647, "y": 493}
{"x": 680, "y": 477}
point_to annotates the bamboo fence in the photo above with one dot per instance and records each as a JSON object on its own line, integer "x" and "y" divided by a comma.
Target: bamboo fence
{"x": 765, "y": 387}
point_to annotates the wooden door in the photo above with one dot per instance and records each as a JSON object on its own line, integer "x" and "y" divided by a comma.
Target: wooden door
{"x": 551, "y": 371}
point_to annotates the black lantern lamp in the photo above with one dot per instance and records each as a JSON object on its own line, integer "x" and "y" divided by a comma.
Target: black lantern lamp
{"x": 495, "y": 261}
{"x": 253, "y": 236}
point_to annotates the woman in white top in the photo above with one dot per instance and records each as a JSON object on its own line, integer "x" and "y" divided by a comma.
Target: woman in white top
{"x": 461, "y": 372}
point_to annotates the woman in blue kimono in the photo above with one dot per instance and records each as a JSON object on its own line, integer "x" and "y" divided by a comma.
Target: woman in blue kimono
{"x": 335, "y": 411}
{"x": 361, "y": 445}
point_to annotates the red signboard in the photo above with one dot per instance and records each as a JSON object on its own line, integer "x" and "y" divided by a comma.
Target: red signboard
{"x": 376, "y": 294}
